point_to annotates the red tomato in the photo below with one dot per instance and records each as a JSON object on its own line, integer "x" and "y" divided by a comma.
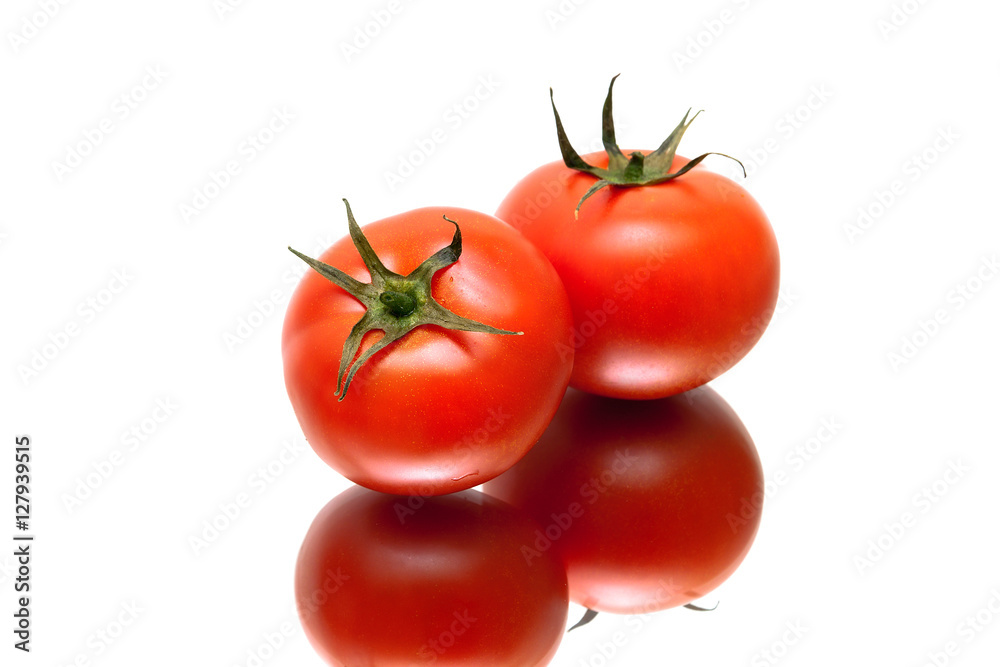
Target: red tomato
{"x": 671, "y": 284}
{"x": 438, "y": 410}
{"x": 650, "y": 504}
{"x": 397, "y": 581}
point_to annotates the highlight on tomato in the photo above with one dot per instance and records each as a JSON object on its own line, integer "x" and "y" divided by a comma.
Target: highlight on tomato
{"x": 671, "y": 269}
{"x": 398, "y": 581}
{"x": 423, "y": 355}
{"x": 649, "y": 504}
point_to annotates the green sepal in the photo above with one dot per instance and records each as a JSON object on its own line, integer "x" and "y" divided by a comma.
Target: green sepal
{"x": 394, "y": 304}
{"x": 635, "y": 170}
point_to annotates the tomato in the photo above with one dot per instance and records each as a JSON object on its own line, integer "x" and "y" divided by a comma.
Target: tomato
{"x": 400, "y": 581}
{"x": 650, "y": 504}
{"x": 438, "y": 410}
{"x": 670, "y": 283}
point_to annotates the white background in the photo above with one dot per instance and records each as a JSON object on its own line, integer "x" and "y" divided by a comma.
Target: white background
{"x": 828, "y": 104}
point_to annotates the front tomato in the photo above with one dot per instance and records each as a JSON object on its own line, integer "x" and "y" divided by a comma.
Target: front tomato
{"x": 439, "y": 409}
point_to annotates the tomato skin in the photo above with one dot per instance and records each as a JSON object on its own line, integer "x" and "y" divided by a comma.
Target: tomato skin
{"x": 384, "y": 580}
{"x": 437, "y": 411}
{"x": 670, "y": 284}
{"x": 650, "y": 504}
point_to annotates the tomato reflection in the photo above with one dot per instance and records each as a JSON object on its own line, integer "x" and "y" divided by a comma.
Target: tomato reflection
{"x": 650, "y": 504}
{"x": 404, "y": 580}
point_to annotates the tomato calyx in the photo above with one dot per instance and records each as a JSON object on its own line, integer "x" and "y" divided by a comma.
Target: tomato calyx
{"x": 635, "y": 170}
{"x": 394, "y": 304}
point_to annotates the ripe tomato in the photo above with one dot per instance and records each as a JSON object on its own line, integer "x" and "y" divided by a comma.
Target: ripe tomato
{"x": 396, "y": 581}
{"x": 438, "y": 410}
{"x": 650, "y": 504}
{"x": 671, "y": 283}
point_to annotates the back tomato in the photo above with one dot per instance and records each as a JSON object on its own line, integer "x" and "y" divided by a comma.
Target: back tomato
{"x": 670, "y": 284}
{"x": 438, "y": 410}
{"x": 650, "y": 504}
{"x": 398, "y": 581}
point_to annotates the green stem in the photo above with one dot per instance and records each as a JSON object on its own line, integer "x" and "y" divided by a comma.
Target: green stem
{"x": 398, "y": 303}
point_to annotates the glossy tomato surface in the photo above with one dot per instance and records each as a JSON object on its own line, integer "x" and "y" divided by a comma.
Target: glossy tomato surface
{"x": 397, "y": 581}
{"x": 670, "y": 284}
{"x": 439, "y": 410}
{"x": 650, "y": 504}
